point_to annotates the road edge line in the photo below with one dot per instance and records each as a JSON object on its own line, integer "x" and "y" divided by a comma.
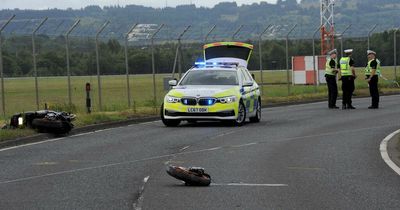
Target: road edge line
{"x": 384, "y": 152}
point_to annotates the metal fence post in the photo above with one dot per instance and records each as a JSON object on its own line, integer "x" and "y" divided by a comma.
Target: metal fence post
{"x": 178, "y": 54}
{"x": 287, "y": 58}
{"x": 208, "y": 34}
{"x": 260, "y": 56}
{"x": 98, "y": 62}
{"x": 395, "y": 52}
{"x": 341, "y": 40}
{"x": 180, "y": 51}
{"x": 369, "y": 33}
{"x": 236, "y": 32}
{"x": 68, "y": 57}
{"x": 316, "y": 82}
{"x": 34, "y": 60}
{"x": 128, "y": 89}
{"x": 153, "y": 65}
{"x": 3, "y": 100}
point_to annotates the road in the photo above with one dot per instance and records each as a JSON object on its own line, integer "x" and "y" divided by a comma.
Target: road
{"x": 298, "y": 157}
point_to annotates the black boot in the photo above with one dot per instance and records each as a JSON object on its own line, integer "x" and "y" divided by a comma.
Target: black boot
{"x": 351, "y": 107}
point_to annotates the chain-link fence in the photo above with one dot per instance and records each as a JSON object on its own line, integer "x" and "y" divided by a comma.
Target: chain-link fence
{"x": 50, "y": 60}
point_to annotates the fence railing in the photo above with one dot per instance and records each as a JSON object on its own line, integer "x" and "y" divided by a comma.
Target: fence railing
{"x": 134, "y": 87}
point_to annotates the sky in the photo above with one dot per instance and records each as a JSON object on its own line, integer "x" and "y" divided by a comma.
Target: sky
{"x": 76, "y": 4}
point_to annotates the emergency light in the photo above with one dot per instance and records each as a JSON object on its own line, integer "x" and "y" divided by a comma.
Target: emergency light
{"x": 216, "y": 64}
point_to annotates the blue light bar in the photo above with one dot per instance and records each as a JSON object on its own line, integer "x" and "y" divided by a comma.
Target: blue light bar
{"x": 216, "y": 64}
{"x": 199, "y": 63}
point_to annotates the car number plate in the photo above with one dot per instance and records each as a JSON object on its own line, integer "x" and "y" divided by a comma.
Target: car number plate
{"x": 197, "y": 110}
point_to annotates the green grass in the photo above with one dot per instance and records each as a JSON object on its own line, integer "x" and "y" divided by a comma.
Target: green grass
{"x": 12, "y": 134}
{"x": 20, "y": 95}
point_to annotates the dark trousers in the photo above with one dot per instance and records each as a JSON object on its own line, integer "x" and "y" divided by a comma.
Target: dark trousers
{"x": 348, "y": 89}
{"x": 373, "y": 91}
{"x": 332, "y": 90}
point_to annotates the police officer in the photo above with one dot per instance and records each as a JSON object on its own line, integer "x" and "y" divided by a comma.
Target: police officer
{"x": 372, "y": 72}
{"x": 347, "y": 75}
{"x": 331, "y": 69}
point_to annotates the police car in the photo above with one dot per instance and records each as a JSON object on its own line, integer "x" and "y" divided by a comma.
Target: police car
{"x": 220, "y": 88}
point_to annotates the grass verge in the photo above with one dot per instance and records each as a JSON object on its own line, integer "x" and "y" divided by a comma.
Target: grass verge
{"x": 15, "y": 133}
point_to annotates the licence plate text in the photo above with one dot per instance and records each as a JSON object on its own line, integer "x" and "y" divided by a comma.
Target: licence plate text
{"x": 197, "y": 110}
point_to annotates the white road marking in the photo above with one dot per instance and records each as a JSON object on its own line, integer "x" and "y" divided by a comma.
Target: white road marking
{"x": 67, "y": 137}
{"x": 226, "y": 133}
{"x": 303, "y": 168}
{"x": 250, "y": 185}
{"x": 214, "y": 148}
{"x": 245, "y": 145}
{"x": 384, "y": 152}
{"x": 176, "y": 154}
{"x": 82, "y": 134}
{"x": 145, "y": 123}
{"x": 31, "y": 144}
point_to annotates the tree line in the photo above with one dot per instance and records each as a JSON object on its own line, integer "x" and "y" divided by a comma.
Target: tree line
{"x": 51, "y": 55}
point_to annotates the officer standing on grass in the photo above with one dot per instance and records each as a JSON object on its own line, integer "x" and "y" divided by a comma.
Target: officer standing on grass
{"x": 347, "y": 75}
{"x": 372, "y": 72}
{"x": 331, "y": 69}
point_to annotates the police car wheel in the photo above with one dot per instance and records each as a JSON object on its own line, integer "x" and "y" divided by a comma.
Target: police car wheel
{"x": 257, "y": 118}
{"x": 240, "y": 120}
{"x": 168, "y": 123}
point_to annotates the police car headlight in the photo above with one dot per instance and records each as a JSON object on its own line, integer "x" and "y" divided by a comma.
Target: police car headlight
{"x": 227, "y": 100}
{"x": 171, "y": 99}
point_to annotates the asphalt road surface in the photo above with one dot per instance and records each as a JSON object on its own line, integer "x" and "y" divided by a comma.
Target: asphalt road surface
{"x": 298, "y": 157}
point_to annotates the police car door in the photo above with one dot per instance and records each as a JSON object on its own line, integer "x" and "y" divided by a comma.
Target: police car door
{"x": 247, "y": 90}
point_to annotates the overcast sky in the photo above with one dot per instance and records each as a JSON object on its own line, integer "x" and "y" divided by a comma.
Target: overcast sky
{"x": 62, "y": 4}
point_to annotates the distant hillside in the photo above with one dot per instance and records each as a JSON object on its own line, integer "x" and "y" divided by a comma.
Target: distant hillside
{"x": 362, "y": 14}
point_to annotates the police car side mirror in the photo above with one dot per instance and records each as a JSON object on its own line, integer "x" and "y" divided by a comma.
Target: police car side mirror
{"x": 247, "y": 84}
{"x": 172, "y": 82}
{"x": 254, "y": 77}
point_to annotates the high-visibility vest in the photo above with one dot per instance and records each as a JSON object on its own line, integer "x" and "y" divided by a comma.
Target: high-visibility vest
{"x": 328, "y": 68}
{"x": 345, "y": 69}
{"x": 368, "y": 69}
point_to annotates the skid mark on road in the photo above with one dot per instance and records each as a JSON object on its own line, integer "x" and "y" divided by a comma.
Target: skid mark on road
{"x": 137, "y": 205}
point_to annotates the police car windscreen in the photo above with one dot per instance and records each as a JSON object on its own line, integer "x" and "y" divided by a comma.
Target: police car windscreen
{"x": 227, "y": 52}
{"x": 210, "y": 77}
